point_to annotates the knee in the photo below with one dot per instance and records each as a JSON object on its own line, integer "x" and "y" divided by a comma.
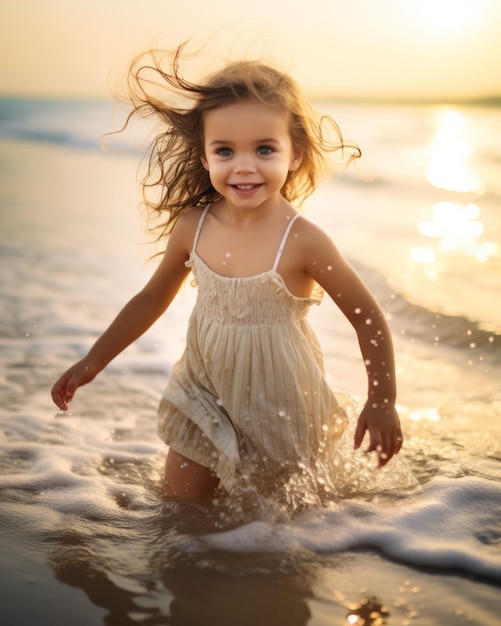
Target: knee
{"x": 185, "y": 480}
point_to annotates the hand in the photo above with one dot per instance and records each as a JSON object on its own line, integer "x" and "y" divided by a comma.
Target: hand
{"x": 64, "y": 389}
{"x": 381, "y": 420}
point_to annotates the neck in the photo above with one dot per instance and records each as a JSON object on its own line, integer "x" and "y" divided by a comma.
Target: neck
{"x": 255, "y": 215}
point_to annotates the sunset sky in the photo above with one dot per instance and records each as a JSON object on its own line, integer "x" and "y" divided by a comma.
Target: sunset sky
{"x": 361, "y": 48}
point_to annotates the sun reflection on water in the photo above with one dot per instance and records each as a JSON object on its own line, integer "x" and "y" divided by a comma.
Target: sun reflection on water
{"x": 456, "y": 228}
{"x": 453, "y": 226}
{"x": 450, "y": 153}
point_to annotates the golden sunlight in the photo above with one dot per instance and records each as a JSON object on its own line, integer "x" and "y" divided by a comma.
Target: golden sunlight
{"x": 444, "y": 17}
{"x": 449, "y": 155}
{"x": 455, "y": 228}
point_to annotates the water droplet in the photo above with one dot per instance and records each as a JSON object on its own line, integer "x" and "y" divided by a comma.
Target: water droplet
{"x": 329, "y": 268}
{"x": 368, "y": 321}
{"x": 228, "y": 255}
{"x": 473, "y": 344}
{"x": 219, "y": 402}
{"x": 358, "y": 310}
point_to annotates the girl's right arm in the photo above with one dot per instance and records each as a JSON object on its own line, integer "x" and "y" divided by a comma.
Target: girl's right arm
{"x": 136, "y": 316}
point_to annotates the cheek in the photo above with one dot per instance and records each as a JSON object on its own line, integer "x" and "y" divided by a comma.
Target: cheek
{"x": 213, "y": 168}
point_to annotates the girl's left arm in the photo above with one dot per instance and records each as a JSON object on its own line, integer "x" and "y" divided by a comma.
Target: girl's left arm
{"x": 326, "y": 265}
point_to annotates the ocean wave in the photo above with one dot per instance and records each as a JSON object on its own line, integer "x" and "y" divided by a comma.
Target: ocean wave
{"x": 41, "y": 135}
{"x": 78, "y": 124}
{"x": 434, "y": 328}
{"x": 106, "y": 496}
{"x": 440, "y": 329}
{"x": 419, "y": 530}
{"x": 56, "y": 471}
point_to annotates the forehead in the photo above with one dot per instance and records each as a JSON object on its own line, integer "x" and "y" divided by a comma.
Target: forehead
{"x": 246, "y": 118}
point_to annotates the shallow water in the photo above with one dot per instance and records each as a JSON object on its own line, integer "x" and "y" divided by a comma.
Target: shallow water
{"x": 86, "y": 535}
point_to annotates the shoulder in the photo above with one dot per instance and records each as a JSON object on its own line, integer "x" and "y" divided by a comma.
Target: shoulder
{"x": 315, "y": 250}
{"x": 185, "y": 227}
{"x": 309, "y": 235}
{"x": 189, "y": 219}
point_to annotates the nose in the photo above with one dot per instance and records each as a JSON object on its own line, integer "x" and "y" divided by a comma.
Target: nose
{"x": 244, "y": 164}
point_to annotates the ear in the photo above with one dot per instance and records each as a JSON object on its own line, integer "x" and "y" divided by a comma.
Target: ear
{"x": 204, "y": 161}
{"x": 296, "y": 158}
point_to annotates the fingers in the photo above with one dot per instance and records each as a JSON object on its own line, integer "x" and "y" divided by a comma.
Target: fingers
{"x": 79, "y": 374}
{"x": 359, "y": 434}
{"x": 60, "y": 396}
{"x": 379, "y": 444}
{"x": 385, "y": 444}
{"x": 63, "y": 391}
{"x": 398, "y": 442}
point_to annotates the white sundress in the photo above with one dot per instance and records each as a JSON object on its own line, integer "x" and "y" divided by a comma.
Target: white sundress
{"x": 249, "y": 395}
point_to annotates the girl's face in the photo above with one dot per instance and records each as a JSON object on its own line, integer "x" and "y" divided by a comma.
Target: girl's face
{"x": 248, "y": 153}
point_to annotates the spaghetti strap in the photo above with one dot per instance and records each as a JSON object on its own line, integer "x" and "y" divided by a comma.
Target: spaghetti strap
{"x": 284, "y": 241}
{"x": 199, "y": 226}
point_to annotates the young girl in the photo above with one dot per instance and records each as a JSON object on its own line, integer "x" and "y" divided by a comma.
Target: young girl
{"x": 248, "y": 399}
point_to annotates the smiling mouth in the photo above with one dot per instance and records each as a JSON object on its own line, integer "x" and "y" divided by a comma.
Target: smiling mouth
{"x": 247, "y": 187}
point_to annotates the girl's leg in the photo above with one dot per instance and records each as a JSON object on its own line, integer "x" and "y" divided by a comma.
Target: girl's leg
{"x": 185, "y": 480}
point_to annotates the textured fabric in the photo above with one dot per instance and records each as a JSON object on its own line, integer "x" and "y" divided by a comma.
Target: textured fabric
{"x": 249, "y": 395}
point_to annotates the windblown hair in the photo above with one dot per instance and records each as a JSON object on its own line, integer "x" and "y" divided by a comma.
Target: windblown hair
{"x": 175, "y": 180}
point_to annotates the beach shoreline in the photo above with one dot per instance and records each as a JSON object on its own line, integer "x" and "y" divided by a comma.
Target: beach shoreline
{"x": 85, "y": 534}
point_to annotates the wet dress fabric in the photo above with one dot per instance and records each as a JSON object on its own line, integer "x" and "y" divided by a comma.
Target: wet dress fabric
{"x": 249, "y": 396}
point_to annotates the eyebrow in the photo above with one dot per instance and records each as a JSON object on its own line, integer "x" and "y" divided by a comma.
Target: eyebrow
{"x": 259, "y": 141}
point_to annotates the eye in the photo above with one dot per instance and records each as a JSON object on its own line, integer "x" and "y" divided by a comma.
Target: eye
{"x": 224, "y": 152}
{"x": 265, "y": 150}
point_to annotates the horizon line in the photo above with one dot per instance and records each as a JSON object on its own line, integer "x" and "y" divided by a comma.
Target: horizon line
{"x": 491, "y": 100}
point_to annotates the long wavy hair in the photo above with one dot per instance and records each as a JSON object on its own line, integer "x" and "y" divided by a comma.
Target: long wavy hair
{"x": 175, "y": 180}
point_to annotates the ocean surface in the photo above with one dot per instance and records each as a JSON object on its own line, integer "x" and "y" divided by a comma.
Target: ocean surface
{"x": 85, "y": 535}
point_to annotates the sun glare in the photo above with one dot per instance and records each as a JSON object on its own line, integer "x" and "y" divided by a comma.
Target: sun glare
{"x": 449, "y": 155}
{"x": 443, "y": 17}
